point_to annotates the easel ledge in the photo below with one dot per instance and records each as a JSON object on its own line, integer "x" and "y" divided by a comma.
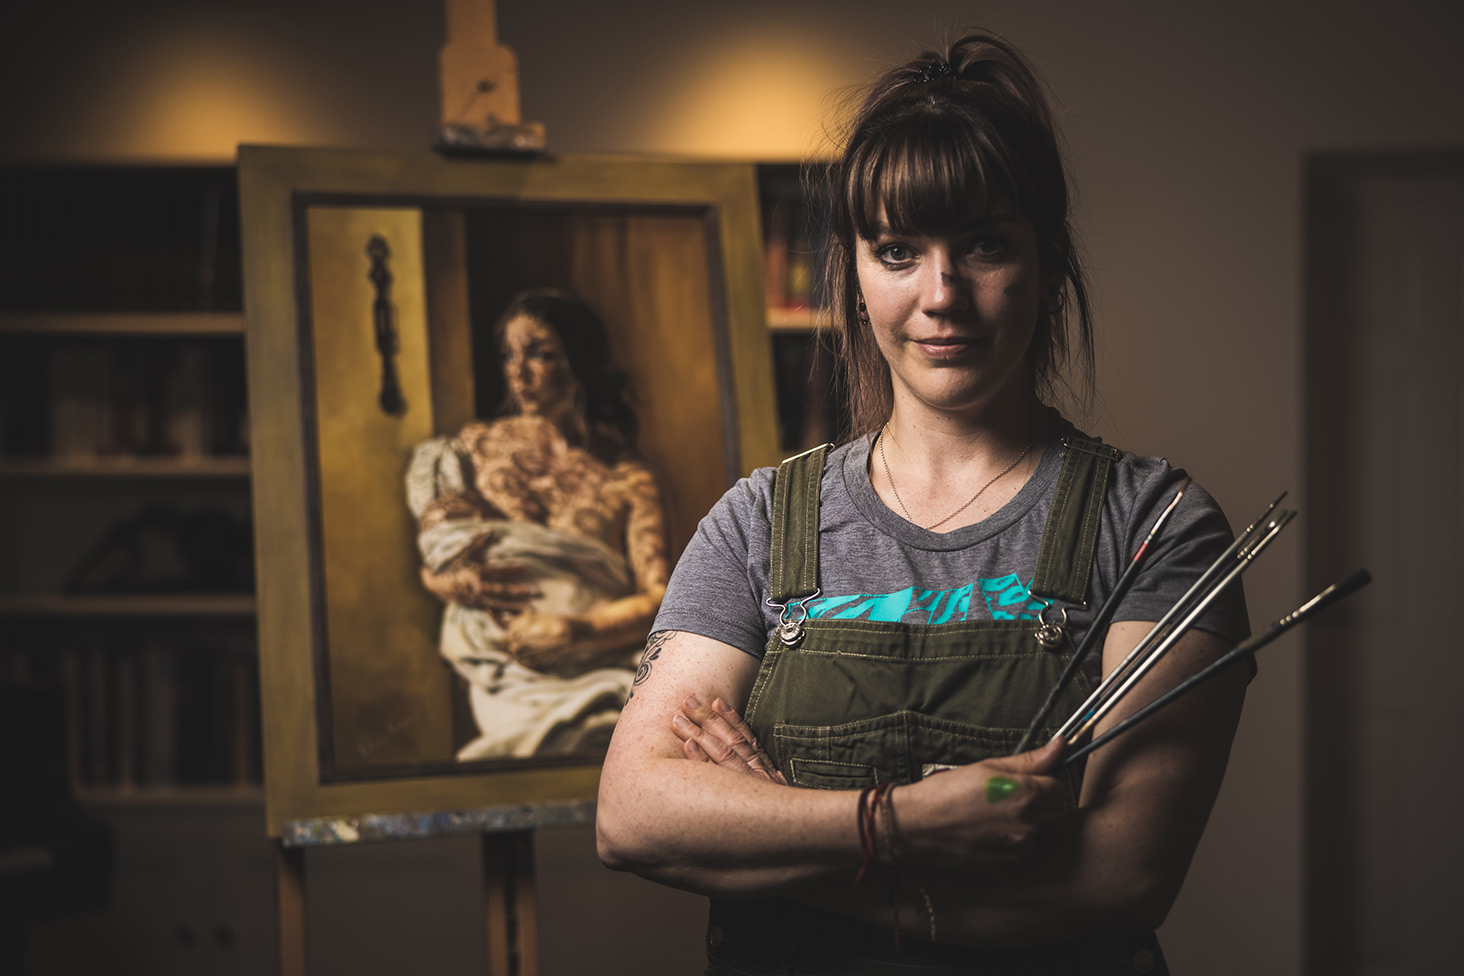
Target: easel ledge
{"x": 509, "y": 888}
{"x": 335, "y": 831}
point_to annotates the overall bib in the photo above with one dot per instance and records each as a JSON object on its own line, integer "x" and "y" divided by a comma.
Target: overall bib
{"x": 846, "y": 704}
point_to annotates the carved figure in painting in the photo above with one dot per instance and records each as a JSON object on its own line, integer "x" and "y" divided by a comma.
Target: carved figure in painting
{"x": 544, "y": 534}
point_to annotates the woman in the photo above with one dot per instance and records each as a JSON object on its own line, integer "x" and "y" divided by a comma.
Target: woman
{"x": 873, "y": 610}
{"x": 544, "y": 535}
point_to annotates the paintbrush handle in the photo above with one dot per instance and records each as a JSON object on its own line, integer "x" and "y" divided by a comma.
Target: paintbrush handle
{"x": 1218, "y": 567}
{"x": 1172, "y": 636}
{"x": 1095, "y": 630}
{"x": 1100, "y": 620}
{"x": 1318, "y": 603}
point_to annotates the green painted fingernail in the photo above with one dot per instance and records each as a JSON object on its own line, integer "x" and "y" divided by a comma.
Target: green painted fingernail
{"x": 998, "y": 788}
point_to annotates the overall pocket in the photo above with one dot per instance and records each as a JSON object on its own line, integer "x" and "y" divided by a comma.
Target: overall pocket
{"x": 850, "y": 756}
{"x": 901, "y": 747}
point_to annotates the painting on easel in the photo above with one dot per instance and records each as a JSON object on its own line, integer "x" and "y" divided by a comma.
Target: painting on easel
{"x": 490, "y": 399}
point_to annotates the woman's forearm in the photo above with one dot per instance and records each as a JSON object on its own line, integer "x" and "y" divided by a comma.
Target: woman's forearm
{"x": 574, "y": 643}
{"x": 618, "y": 624}
{"x": 708, "y": 828}
{"x": 1117, "y": 863}
{"x": 1121, "y": 859}
{"x": 696, "y": 826}
{"x": 1072, "y": 887}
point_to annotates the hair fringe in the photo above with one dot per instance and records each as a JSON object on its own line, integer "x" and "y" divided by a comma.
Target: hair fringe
{"x": 930, "y": 140}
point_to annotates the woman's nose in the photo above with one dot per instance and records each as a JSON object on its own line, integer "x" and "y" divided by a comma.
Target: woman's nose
{"x": 945, "y": 285}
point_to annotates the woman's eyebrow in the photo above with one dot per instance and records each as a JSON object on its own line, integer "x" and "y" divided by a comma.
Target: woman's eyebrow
{"x": 533, "y": 345}
{"x": 979, "y": 223}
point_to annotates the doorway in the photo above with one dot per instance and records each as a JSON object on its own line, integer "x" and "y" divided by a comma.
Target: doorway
{"x": 1384, "y": 433}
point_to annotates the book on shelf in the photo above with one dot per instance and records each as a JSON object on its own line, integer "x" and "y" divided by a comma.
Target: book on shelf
{"x": 76, "y": 400}
{"x": 96, "y": 716}
{"x": 70, "y": 665}
{"x": 186, "y": 427}
{"x": 127, "y": 741}
{"x": 106, "y": 396}
{"x": 787, "y": 254}
{"x": 161, "y": 695}
{"x": 151, "y": 714}
{"x": 807, "y": 390}
{"x": 775, "y": 256}
{"x": 799, "y": 291}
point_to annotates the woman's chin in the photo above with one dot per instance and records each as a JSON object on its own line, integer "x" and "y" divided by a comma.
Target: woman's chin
{"x": 968, "y": 395}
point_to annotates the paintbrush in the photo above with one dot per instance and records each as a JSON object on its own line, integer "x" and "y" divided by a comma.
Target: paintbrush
{"x": 1172, "y": 636}
{"x": 1219, "y": 566}
{"x": 1100, "y": 620}
{"x": 1324, "y": 599}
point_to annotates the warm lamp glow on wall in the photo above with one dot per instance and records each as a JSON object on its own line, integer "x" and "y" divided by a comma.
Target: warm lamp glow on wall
{"x": 752, "y": 97}
{"x": 195, "y": 94}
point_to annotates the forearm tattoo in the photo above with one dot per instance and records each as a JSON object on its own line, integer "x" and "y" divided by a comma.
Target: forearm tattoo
{"x": 654, "y": 643}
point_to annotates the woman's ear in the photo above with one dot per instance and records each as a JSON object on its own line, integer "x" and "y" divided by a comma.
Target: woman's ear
{"x": 1053, "y": 294}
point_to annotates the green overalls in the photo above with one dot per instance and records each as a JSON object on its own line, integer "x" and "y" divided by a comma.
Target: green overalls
{"x": 845, "y": 704}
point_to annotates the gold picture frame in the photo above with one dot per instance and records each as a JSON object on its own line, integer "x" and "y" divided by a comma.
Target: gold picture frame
{"x": 364, "y": 277}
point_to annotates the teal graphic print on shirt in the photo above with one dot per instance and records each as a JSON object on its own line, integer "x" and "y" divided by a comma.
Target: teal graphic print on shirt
{"x": 1003, "y": 598}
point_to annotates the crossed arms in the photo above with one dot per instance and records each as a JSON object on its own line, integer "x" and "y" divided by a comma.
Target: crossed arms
{"x": 683, "y": 805}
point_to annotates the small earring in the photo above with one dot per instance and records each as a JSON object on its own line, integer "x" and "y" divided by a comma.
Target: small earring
{"x": 861, "y": 312}
{"x": 1055, "y": 299}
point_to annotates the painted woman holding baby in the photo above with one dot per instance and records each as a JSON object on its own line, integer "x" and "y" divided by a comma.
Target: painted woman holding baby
{"x": 544, "y": 534}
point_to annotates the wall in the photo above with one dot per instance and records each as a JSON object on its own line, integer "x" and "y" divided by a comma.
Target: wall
{"x": 1187, "y": 123}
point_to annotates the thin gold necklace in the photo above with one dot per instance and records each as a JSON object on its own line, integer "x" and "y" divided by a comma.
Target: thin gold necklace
{"x": 969, "y": 502}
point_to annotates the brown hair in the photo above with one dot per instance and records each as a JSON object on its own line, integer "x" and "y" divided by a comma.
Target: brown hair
{"x": 604, "y": 405}
{"x": 932, "y": 141}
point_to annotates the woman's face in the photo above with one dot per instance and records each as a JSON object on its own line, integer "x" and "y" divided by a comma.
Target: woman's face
{"x": 537, "y": 370}
{"x": 954, "y": 313}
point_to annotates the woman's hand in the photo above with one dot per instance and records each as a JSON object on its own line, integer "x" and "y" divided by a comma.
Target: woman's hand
{"x": 985, "y": 817}
{"x": 718, "y": 735}
{"x": 539, "y": 640}
{"x": 498, "y": 586}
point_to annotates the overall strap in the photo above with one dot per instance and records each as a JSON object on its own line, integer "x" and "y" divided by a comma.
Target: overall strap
{"x": 1065, "y": 557}
{"x": 794, "y": 555}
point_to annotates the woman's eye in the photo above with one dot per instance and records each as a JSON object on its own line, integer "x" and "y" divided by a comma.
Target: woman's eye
{"x": 988, "y": 247}
{"x": 894, "y": 253}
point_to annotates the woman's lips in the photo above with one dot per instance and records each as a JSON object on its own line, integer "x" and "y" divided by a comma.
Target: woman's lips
{"x": 946, "y": 347}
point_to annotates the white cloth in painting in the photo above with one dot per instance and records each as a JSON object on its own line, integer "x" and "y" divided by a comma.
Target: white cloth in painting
{"x": 519, "y": 711}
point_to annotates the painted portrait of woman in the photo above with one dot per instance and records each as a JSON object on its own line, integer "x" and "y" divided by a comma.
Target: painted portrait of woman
{"x": 543, "y": 533}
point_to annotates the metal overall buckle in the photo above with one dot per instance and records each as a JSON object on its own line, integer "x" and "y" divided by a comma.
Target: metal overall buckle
{"x": 790, "y": 628}
{"x": 1050, "y": 633}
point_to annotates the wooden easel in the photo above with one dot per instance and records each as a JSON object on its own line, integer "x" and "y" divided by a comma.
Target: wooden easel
{"x": 511, "y": 904}
{"x": 510, "y": 901}
{"x": 479, "y": 101}
{"x": 479, "y": 86}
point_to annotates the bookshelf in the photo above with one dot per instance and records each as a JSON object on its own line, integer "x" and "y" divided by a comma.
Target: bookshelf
{"x": 804, "y": 371}
{"x": 169, "y": 606}
{"x": 126, "y": 466}
{"x": 121, "y": 394}
{"x": 783, "y": 319}
{"x": 125, "y": 476}
{"x": 122, "y": 324}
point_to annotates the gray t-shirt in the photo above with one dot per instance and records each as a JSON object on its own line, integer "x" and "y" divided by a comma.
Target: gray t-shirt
{"x": 875, "y": 565}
